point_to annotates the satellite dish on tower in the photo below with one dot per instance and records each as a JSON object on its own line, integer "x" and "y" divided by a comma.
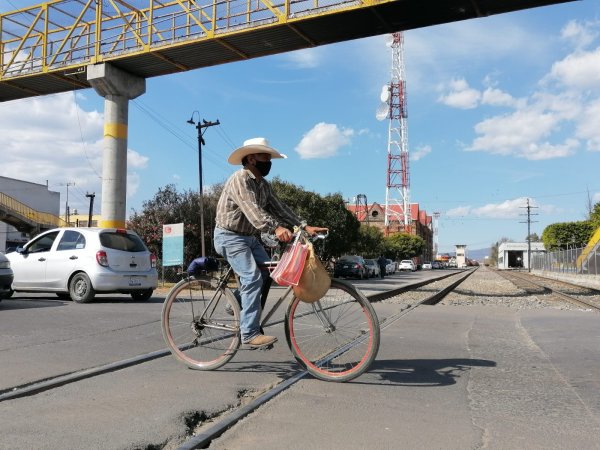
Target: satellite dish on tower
{"x": 385, "y": 93}
{"x": 382, "y": 111}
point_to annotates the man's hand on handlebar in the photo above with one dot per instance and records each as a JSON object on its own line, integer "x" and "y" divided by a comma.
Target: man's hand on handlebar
{"x": 283, "y": 234}
{"x": 314, "y": 230}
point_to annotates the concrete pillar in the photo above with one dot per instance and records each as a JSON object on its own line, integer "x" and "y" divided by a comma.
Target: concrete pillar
{"x": 117, "y": 87}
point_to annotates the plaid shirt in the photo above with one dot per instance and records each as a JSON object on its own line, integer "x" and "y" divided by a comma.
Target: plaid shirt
{"x": 248, "y": 205}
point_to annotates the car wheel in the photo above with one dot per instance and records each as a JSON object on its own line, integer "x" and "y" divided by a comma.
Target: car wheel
{"x": 7, "y": 294}
{"x": 63, "y": 295}
{"x": 143, "y": 295}
{"x": 81, "y": 289}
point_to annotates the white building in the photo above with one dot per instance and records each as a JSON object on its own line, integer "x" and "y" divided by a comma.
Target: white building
{"x": 34, "y": 195}
{"x": 461, "y": 255}
{"x": 513, "y": 255}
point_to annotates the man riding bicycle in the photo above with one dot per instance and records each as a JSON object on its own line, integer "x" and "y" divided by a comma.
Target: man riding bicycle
{"x": 247, "y": 207}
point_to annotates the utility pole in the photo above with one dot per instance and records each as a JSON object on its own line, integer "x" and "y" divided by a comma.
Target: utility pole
{"x": 91, "y": 197}
{"x": 201, "y": 125}
{"x": 529, "y": 222}
{"x": 67, "y": 215}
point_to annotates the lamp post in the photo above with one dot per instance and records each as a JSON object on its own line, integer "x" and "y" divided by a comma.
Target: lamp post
{"x": 200, "y": 126}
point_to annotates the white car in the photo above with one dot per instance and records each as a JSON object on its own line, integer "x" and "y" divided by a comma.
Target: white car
{"x": 390, "y": 268}
{"x": 80, "y": 262}
{"x": 407, "y": 264}
{"x": 427, "y": 265}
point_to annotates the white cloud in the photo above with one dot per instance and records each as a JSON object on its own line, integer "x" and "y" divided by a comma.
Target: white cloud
{"x": 461, "y": 95}
{"x": 588, "y": 128}
{"x": 323, "y": 141}
{"x": 460, "y": 211}
{"x": 40, "y": 146}
{"x": 504, "y": 210}
{"x": 580, "y": 34}
{"x": 580, "y": 70}
{"x": 420, "y": 152}
{"x": 305, "y": 59}
{"x": 497, "y": 97}
{"x": 596, "y": 197}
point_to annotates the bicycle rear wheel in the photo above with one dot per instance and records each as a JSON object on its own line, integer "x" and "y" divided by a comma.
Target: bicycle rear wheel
{"x": 336, "y": 338}
{"x": 197, "y": 327}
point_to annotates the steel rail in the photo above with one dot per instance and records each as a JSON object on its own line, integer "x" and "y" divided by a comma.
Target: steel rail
{"x": 45, "y": 384}
{"x": 204, "y": 439}
{"x": 551, "y": 291}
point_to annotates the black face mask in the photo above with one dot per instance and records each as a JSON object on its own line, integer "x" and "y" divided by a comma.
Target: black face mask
{"x": 264, "y": 167}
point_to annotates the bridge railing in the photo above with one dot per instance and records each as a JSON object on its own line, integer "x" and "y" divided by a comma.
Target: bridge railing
{"x": 12, "y": 205}
{"x": 64, "y": 34}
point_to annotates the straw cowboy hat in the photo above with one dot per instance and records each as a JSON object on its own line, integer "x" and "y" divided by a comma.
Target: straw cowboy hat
{"x": 251, "y": 146}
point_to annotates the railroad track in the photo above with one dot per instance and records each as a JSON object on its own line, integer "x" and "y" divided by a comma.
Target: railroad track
{"x": 428, "y": 295}
{"x": 554, "y": 290}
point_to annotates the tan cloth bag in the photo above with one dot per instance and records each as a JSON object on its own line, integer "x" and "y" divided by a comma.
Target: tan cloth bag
{"x": 314, "y": 281}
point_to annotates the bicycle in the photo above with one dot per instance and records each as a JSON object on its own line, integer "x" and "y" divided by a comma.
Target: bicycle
{"x": 334, "y": 339}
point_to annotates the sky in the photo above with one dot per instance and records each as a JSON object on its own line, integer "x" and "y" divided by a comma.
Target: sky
{"x": 500, "y": 110}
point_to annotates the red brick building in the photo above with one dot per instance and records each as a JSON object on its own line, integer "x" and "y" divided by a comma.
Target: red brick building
{"x": 421, "y": 223}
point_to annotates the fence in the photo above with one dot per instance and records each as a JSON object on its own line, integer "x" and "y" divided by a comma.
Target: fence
{"x": 573, "y": 261}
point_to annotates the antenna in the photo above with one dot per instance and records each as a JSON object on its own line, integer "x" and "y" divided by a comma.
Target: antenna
{"x": 382, "y": 112}
{"x": 397, "y": 207}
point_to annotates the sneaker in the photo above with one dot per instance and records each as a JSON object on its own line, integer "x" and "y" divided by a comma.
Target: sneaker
{"x": 261, "y": 341}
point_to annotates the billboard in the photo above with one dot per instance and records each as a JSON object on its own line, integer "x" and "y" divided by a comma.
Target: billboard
{"x": 172, "y": 244}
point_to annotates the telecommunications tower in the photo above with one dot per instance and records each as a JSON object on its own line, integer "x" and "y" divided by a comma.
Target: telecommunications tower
{"x": 436, "y": 220}
{"x": 393, "y": 108}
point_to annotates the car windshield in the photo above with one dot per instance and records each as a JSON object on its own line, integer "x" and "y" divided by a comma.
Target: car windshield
{"x": 406, "y": 261}
{"x": 122, "y": 241}
{"x": 349, "y": 259}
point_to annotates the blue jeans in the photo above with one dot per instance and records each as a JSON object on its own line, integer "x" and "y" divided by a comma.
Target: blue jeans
{"x": 245, "y": 254}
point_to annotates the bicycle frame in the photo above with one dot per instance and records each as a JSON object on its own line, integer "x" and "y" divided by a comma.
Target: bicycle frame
{"x": 223, "y": 282}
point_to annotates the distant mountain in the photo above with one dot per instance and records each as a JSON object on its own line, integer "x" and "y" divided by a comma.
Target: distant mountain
{"x": 478, "y": 254}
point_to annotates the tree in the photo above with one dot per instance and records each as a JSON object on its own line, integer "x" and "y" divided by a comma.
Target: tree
{"x": 170, "y": 206}
{"x": 562, "y": 235}
{"x": 595, "y": 216}
{"x": 403, "y": 246}
{"x": 533, "y": 237}
{"x": 370, "y": 242}
{"x": 494, "y": 250}
{"x": 329, "y": 210}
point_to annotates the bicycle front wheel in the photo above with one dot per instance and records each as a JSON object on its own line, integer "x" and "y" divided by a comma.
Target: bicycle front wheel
{"x": 201, "y": 324}
{"x": 335, "y": 338}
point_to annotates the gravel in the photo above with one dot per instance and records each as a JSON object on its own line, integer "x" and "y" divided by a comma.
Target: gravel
{"x": 485, "y": 287}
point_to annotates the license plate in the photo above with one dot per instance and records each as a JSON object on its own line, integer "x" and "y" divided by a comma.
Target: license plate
{"x": 347, "y": 266}
{"x": 135, "y": 281}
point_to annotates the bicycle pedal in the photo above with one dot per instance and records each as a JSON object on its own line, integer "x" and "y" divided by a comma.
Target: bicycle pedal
{"x": 266, "y": 347}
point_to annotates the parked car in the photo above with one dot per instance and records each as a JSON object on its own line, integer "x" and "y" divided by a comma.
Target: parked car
{"x": 407, "y": 264}
{"x": 80, "y": 262}
{"x": 390, "y": 268}
{"x": 374, "y": 269}
{"x": 351, "y": 266}
{"x": 426, "y": 265}
{"x": 437, "y": 265}
{"x": 6, "y": 277}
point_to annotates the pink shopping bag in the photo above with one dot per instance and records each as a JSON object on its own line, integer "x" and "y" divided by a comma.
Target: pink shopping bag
{"x": 290, "y": 266}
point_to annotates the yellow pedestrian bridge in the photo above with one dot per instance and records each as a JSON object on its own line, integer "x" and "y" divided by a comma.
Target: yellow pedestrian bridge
{"x": 46, "y": 48}
{"x": 26, "y": 219}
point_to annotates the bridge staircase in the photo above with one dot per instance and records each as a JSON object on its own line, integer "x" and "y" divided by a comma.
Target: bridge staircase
{"x": 26, "y": 219}
{"x": 587, "y": 262}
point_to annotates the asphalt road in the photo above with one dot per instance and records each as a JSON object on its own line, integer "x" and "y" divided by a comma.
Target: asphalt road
{"x": 445, "y": 377}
